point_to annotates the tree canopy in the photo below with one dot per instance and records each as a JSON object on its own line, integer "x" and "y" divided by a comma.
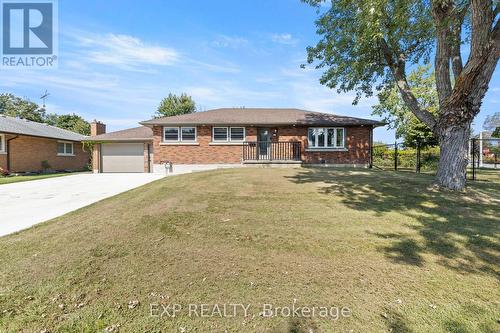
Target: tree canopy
{"x": 368, "y": 46}
{"x": 174, "y": 105}
{"x": 399, "y": 117}
{"x": 70, "y": 122}
{"x": 14, "y": 106}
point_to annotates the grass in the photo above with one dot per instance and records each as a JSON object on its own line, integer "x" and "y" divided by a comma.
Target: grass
{"x": 402, "y": 256}
{"x": 17, "y": 179}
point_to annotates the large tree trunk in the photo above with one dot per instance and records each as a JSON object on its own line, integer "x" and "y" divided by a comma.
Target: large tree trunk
{"x": 453, "y": 143}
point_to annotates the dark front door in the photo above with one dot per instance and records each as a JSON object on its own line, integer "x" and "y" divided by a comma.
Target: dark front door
{"x": 263, "y": 138}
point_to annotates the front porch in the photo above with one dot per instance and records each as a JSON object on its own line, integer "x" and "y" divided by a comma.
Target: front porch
{"x": 268, "y": 152}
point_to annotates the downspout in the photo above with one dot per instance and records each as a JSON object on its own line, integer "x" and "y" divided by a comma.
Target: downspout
{"x": 149, "y": 158}
{"x": 371, "y": 148}
{"x": 8, "y": 151}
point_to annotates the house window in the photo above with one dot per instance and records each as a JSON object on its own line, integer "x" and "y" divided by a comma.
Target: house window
{"x": 2, "y": 143}
{"x": 228, "y": 134}
{"x": 237, "y": 133}
{"x": 175, "y": 134}
{"x": 219, "y": 134}
{"x": 188, "y": 134}
{"x": 170, "y": 134}
{"x": 65, "y": 148}
{"x": 328, "y": 137}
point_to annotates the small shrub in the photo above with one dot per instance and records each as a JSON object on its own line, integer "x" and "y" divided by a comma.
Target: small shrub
{"x": 4, "y": 172}
{"x": 45, "y": 165}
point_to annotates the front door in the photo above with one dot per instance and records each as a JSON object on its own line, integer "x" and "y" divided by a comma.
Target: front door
{"x": 263, "y": 138}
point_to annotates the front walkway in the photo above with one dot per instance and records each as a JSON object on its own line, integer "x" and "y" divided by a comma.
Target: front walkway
{"x": 27, "y": 203}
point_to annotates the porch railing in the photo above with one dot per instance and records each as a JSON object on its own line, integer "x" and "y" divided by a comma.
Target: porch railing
{"x": 272, "y": 151}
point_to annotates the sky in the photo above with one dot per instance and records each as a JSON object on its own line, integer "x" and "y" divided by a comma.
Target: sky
{"x": 119, "y": 58}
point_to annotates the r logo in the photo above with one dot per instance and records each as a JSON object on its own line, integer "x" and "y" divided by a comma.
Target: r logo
{"x": 27, "y": 28}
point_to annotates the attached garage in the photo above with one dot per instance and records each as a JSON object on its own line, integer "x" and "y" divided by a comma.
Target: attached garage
{"x": 122, "y": 157}
{"x": 129, "y": 150}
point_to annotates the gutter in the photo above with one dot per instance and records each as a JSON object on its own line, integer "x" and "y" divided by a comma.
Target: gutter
{"x": 8, "y": 151}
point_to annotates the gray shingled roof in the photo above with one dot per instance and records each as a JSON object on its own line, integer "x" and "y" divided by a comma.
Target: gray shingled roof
{"x": 261, "y": 116}
{"x": 26, "y": 127}
{"x": 142, "y": 133}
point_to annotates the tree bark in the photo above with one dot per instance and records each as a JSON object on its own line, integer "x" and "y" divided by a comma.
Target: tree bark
{"x": 453, "y": 143}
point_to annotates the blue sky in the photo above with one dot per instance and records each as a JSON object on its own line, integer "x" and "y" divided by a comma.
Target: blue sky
{"x": 117, "y": 59}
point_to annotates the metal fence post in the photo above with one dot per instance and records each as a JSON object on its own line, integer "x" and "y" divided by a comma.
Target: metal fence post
{"x": 417, "y": 169}
{"x": 473, "y": 159}
{"x": 395, "y": 156}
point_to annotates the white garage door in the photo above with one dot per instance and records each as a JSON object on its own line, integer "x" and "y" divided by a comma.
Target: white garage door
{"x": 122, "y": 157}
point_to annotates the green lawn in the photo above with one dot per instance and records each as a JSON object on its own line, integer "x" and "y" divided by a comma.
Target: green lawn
{"x": 17, "y": 179}
{"x": 399, "y": 254}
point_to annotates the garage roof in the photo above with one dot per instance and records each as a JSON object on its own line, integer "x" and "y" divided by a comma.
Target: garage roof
{"x": 26, "y": 127}
{"x": 141, "y": 133}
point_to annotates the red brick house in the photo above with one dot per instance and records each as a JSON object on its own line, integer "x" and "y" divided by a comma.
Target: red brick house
{"x": 236, "y": 136}
{"x": 27, "y": 146}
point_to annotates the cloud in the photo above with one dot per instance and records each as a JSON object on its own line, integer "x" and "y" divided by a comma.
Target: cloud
{"x": 284, "y": 38}
{"x": 124, "y": 51}
{"x": 229, "y": 41}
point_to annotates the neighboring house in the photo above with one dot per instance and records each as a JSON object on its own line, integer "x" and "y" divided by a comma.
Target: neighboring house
{"x": 235, "y": 136}
{"x": 27, "y": 146}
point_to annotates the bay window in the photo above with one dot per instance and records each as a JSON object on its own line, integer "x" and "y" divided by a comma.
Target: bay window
{"x": 326, "y": 137}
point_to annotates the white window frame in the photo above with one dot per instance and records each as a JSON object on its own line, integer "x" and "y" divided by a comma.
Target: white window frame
{"x": 213, "y": 133}
{"x": 326, "y": 146}
{"x": 195, "y": 134}
{"x": 244, "y": 134}
{"x": 228, "y": 133}
{"x": 65, "y": 151}
{"x": 3, "y": 144}
{"x": 171, "y": 127}
{"x": 179, "y": 134}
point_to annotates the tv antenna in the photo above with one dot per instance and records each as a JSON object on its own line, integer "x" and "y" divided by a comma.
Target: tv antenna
{"x": 44, "y": 97}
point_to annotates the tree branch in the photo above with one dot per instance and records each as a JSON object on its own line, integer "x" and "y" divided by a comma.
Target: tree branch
{"x": 398, "y": 71}
{"x": 456, "y": 54}
{"x": 441, "y": 12}
{"x": 472, "y": 84}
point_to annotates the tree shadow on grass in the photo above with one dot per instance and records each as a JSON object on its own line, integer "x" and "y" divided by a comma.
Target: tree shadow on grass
{"x": 462, "y": 228}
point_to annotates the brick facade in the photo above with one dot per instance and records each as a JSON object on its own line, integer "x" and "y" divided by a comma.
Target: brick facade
{"x": 26, "y": 153}
{"x": 205, "y": 152}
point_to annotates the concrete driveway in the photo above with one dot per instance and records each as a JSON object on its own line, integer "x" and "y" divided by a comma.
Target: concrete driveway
{"x": 27, "y": 203}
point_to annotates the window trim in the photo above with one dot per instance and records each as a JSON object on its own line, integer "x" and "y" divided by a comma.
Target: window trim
{"x": 171, "y": 127}
{"x": 326, "y": 146}
{"x": 244, "y": 133}
{"x": 195, "y": 134}
{"x": 228, "y": 134}
{"x": 65, "y": 151}
{"x": 213, "y": 134}
{"x": 3, "y": 145}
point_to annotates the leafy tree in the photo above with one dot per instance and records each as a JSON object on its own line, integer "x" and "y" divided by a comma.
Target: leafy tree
{"x": 13, "y": 106}
{"x": 492, "y": 122}
{"x": 366, "y": 46}
{"x": 71, "y": 122}
{"x": 174, "y": 105}
{"x": 399, "y": 117}
{"x": 496, "y": 133}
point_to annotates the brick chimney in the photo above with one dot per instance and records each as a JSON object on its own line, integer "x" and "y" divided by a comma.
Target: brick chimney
{"x": 96, "y": 128}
